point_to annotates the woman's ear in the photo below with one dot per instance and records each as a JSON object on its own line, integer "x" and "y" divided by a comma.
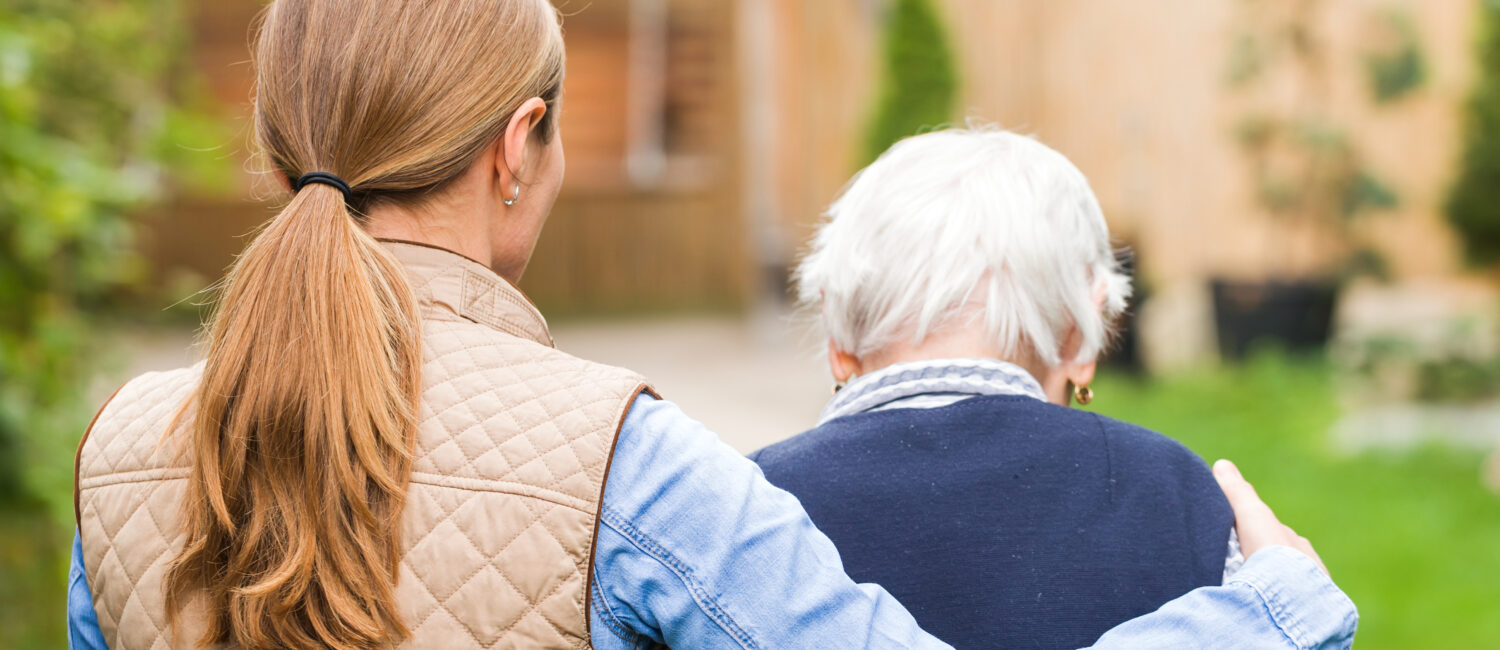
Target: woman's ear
{"x": 510, "y": 161}
{"x": 842, "y": 364}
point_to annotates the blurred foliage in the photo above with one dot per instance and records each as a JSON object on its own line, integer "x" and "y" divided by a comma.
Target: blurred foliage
{"x": 1458, "y": 379}
{"x": 1399, "y": 68}
{"x": 33, "y": 591}
{"x": 919, "y": 81}
{"x": 99, "y": 115}
{"x": 1366, "y": 262}
{"x": 1304, "y": 165}
{"x": 1458, "y": 366}
{"x": 1474, "y": 204}
{"x": 1366, "y": 192}
{"x": 1246, "y": 60}
{"x": 96, "y": 101}
{"x": 1410, "y": 536}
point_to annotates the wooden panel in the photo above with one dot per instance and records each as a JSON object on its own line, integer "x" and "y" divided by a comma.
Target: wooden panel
{"x": 612, "y": 245}
{"x": 594, "y": 96}
{"x": 633, "y": 253}
{"x": 609, "y": 246}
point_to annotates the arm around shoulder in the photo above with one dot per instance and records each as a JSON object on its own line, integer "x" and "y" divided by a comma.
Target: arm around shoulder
{"x": 697, "y": 549}
{"x": 1280, "y": 599}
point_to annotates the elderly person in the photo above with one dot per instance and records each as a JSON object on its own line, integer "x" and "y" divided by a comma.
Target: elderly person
{"x": 967, "y": 288}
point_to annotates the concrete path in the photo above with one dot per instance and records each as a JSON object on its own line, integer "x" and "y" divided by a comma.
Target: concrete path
{"x": 753, "y": 380}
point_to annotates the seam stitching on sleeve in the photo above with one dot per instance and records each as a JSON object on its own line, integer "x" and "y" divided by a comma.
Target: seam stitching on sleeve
{"x": 615, "y": 625}
{"x": 1278, "y": 616}
{"x": 706, "y": 602}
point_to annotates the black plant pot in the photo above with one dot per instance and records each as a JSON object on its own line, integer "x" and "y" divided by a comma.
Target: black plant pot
{"x": 1297, "y": 316}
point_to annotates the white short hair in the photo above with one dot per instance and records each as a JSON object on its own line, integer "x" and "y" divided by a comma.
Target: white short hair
{"x": 946, "y": 224}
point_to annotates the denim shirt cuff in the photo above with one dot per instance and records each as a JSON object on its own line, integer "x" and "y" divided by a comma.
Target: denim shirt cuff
{"x": 1302, "y": 600}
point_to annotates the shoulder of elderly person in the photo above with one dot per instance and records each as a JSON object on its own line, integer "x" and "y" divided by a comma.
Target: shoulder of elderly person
{"x": 1011, "y": 497}
{"x": 1128, "y": 461}
{"x": 1057, "y": 426}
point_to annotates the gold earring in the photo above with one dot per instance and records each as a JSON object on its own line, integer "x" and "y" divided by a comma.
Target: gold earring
{"x": 1083, "y": 394}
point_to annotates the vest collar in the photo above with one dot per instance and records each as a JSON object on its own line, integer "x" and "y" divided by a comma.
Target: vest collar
{"x": 448, "y": 281}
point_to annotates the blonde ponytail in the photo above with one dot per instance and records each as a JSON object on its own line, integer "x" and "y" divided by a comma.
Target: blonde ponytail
{"x": 302, "y": 433}
{"x": 303, "y": 437}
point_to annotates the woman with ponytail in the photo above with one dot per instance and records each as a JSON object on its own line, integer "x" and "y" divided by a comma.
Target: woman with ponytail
{"x": 383, "y": 448}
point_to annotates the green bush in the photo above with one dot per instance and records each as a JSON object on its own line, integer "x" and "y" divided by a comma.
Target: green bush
{"x": 1400, "y": 68}
{"x": 918, "y": 83}
{"x": 90, "y": 123}
{"x": 91, "y": 130}
{"x": 1474, "y": 205}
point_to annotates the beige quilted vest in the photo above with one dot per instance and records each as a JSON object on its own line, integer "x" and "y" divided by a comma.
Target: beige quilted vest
{"x": 514, "y": 443}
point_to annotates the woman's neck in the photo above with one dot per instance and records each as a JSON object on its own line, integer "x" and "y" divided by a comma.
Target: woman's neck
{"x": 447, "y": 221}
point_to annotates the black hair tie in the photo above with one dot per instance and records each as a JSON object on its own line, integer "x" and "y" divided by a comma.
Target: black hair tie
{"x": 323, "y": 178}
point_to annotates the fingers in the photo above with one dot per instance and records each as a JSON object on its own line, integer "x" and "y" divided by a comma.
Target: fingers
{"x": 1256, "y": 524}
{"x": 1302, "y": 544}
{"x": 1249, "y": 511}
{"x": 1231, "y": 481}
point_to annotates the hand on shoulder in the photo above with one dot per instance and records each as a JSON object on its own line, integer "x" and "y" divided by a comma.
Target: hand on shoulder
{"x": 1256, "y": 524}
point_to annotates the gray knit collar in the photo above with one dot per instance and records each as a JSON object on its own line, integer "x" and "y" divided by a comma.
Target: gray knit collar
{"x": 955, "y": 378}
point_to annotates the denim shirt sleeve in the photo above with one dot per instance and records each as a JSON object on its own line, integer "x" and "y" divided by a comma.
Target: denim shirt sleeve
{"x": 1280, "y": 599}
{"x": 697, "y": 550}
{"x": 83, "y": 621}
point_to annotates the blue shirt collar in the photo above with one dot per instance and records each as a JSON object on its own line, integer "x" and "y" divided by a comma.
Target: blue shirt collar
{"x": 898, "y": 384}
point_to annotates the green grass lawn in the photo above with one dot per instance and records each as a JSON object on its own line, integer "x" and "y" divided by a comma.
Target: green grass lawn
{"x": 1413, "y": 538}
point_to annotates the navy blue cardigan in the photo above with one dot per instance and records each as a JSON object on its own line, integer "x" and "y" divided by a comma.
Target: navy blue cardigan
{"x": 1009, "y": 522}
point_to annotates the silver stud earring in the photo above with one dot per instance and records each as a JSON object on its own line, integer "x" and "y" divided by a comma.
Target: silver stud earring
{"x": 512, "y": 200}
